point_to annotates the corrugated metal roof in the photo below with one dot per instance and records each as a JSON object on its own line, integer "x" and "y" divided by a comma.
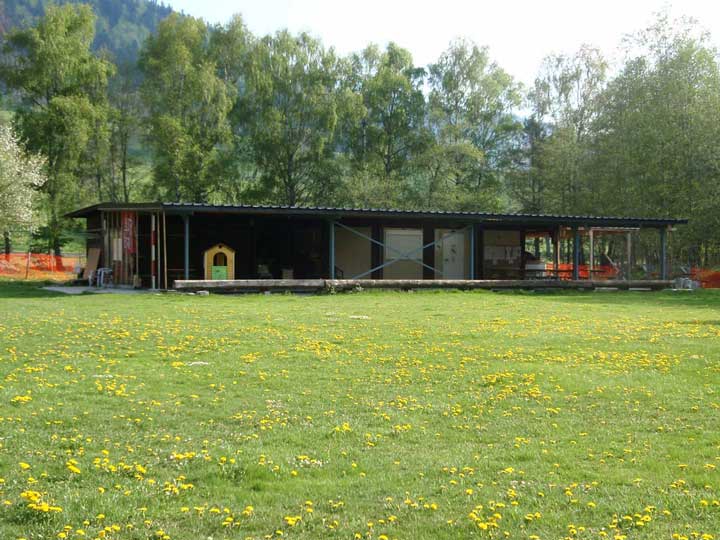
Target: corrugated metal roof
{"x": 393, "y": 213}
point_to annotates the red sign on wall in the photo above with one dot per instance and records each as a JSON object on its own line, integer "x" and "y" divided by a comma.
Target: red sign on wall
{"x": 128, "y": 231}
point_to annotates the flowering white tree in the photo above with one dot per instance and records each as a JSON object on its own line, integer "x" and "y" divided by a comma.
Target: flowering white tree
{"x": 21, "y": 174}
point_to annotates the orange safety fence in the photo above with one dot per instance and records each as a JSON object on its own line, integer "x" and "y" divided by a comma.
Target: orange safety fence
{"x": 565, "y": 271}
{"x": 40, "y": 266}
{"x": 709, "y": 279}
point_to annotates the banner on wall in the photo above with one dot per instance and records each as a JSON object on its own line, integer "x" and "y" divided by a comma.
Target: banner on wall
{"x": 128, "y": 232}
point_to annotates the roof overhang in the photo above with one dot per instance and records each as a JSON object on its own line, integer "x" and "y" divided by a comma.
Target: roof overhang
{"x": 115, "y": 207}
{"x": 389, "y": 214}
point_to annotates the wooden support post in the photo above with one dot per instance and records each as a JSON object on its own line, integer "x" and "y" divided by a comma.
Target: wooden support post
{"x": 663, "y": 254}
{"x": 428, "y": 254}
{"x": 106, "y": 241}
{"x": 331, "y": 249}
{"x": 576, "y": 253}
{"x": 472, "y": 251}
{"x": 186, "y": 261}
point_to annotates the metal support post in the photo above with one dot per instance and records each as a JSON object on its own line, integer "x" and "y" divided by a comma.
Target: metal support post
{"x": 186, "y": 221}
{"x": 663, "y": 254}
{"x": 332, "y": 250}
{"x": 629, "y": 255}
{"x": 472, "y": 251}
{"x": 153, "y": 251}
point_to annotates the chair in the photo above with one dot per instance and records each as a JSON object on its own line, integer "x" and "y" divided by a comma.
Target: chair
{"x": 101, "y": 277}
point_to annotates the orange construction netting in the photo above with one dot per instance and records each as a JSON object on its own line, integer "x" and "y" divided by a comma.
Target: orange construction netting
{"x": 709, "y": 279}
{"x": 565, "y": 271}
{"x": 40, "y": 266}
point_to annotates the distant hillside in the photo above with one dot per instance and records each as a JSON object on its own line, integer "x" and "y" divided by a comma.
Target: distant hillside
{"x": 122, "y": 25}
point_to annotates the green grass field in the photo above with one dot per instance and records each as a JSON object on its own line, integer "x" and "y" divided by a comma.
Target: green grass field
{"x": 372, "y": 415}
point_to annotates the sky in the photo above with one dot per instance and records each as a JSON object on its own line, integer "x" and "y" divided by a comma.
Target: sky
{"x": 518, "y": 33}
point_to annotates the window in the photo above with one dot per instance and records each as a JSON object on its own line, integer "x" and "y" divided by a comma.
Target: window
{"x": 220, "y": 259}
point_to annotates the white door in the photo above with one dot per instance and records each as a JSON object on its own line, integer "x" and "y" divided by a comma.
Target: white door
{"x": 451, "y": 252}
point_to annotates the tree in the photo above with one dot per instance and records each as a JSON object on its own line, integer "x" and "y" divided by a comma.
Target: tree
{"x": 229, "y": 47}
{"x": 121, "y": 25}
{"x": 392, "y": 130}
{"x": 439, "y": 174}
{"x": 124, "y": 125}
{"x": 566, "y": 96}
{"x": 4, "y": 23}
{"x": 188, "y": 107}
{"x": 21, "y": 176}
{"x": 289, "y": 108}
{"x": 527, "y": 182}
{"x": 657, "y": 143}
{"x": 471, "y": 112}
{"x": 61, "y": 84}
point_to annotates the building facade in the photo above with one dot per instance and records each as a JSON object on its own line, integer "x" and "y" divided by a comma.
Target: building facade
{"x": 155, "y": 244}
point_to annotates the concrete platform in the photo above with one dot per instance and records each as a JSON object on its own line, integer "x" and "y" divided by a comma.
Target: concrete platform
{"x": 327, "y": 285}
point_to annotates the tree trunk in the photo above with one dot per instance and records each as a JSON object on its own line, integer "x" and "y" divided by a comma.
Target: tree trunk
{"x": 8, "y": 242}
{"x": 56, "y": 248}
{"x": 54, "y": 232}
{"x": 290, "y": 188}
{"x": 124, "y": 166}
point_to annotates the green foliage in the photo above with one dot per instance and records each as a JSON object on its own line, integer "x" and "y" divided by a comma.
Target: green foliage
{"x": 61, "y": 85}
{"x": 567, "y": 96}
{"x": 188, "y": 107}
{"x": 6, "y": 118}
{"x": 392, "y": 130}
{"x": 230, "y": 117}
{"x": 658, "y": 136}
{"x": 288, "y": 107}
{"x": 229, "y": 47}
{"x": 122, "y": 174}
{"x": 121, "y": 27}
{"x": 471, "y": 110}
{"x": 643, "y": 143}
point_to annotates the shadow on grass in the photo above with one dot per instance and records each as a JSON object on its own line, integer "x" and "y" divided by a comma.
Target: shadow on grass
{"x": 26, "y": 289}
{"x": 701, "y": 298}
